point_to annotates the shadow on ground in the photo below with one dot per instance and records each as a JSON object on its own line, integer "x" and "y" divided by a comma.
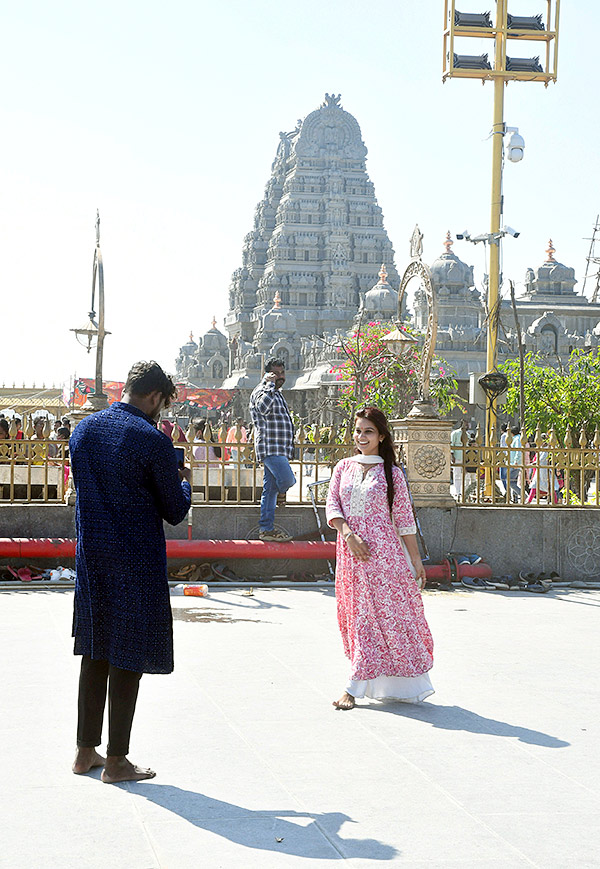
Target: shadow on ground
{"x": 268, "y": 830}
{"x": 457, "y": 718}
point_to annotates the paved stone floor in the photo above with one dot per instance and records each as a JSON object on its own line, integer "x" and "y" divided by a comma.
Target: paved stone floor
{"x": 500, "y": 768}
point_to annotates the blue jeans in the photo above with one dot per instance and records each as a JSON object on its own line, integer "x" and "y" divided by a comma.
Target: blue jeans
{"x": 515, "y": 491}
{"x": 278, "y": 477}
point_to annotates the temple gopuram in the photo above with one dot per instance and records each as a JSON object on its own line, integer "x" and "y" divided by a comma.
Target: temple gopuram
{"x": 312, "y": 269}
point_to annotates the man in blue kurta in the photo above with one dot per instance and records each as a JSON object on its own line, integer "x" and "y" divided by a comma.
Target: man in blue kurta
{"x": 127, "y": 480}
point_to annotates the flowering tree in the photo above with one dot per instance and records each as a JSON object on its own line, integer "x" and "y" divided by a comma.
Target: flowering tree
{"x": 371, "y": 374}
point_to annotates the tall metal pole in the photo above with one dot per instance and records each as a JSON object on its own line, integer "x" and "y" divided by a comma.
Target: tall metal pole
{"x": 496, "y": 209}
{"x": 97, "y": 400}
{"x": 98, "y": 266}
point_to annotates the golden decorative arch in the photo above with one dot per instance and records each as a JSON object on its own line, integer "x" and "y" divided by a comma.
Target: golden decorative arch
{"x": 418, "y": 269}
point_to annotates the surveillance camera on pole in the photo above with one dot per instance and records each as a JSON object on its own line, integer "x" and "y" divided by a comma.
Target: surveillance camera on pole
{"x": 508, "y": 230}
{"x": 514, "y": 145}
{"x": 463, "y": 235}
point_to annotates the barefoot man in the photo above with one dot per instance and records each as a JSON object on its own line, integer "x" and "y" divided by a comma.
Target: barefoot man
{"x": 127, "y": 480}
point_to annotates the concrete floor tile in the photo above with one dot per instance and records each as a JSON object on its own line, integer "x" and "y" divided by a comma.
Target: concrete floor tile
{"x": 69, "y": 829}
{"x": 552, "y": 840}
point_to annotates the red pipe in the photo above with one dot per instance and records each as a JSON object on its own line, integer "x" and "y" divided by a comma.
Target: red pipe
{"x": 63, "y": 547}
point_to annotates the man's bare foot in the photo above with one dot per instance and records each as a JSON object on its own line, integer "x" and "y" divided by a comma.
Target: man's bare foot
{"x": 86, "y": 759}
{"x": 346, "y": 701}
{"x": 118, "y": 769}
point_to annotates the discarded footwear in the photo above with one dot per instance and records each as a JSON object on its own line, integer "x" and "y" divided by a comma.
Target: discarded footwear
{"x": 275, "y": 535}
{"x": 497, "y": 583}
{"x": 221, "y": 571}
{"x": 302, "y": 576}
{"x": 537, "y": 587}
{"x": 514, "y": 583}
{"x": 535, "y": 579}
{"x": 182, "y": 572}
{"x": 473, "y": 582}
{"x": 27, "y": 574}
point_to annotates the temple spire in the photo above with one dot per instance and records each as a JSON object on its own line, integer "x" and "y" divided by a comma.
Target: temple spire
{"x": 448, "y": 242}
{"x": 383, "y": 274}
{"x": 214, "y": 322}
{"x": 277, "y": 301}
{"x": 550, "y": 250}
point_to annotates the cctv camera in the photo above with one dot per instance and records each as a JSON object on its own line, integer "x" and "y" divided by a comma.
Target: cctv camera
{"x": 510, "y": 231}
{"x": 463, "y": 234}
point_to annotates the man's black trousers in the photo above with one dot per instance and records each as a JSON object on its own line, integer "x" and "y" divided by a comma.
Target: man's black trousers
{"x": 123, "y": 685}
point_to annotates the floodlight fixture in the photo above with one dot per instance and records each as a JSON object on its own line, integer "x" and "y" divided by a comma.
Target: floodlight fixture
{"x": 524, "y": 22}
{"x": 514, "y": 146}
{"x": 471, "y": 61}
{"x": 472, "y": 19}
{"x": 523, "y": 64}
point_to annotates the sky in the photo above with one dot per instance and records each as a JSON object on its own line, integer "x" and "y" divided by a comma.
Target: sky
{"x": 165, "y": 117}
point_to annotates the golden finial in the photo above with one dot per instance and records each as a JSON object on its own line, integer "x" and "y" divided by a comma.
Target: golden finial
{"x": 192, "y": 337}
{"x": 214, "y": 322}
{"x": 382, "y": 274}
{"x": 551, "y": 250}
{"x": 448, "y": 242}
{"x": 277, "y": 300}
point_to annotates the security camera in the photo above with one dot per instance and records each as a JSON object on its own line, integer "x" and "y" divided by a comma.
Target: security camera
{"x": 514, "y": 145}
{"x": 464, "y": 234}
{"x": 510, "y": 231}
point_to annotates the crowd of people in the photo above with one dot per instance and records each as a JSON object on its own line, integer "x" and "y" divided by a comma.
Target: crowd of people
{"x": 524, "y": 472}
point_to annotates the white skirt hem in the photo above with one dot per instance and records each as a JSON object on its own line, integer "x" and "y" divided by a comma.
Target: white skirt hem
{"x": 407, "y": 689}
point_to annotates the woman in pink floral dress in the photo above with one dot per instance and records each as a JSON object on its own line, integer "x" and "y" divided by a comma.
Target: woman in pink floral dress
{"x": 379, "y": 571}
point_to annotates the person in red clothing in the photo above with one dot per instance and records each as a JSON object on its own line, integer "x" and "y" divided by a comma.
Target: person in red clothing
{"x": 167, "y": 427}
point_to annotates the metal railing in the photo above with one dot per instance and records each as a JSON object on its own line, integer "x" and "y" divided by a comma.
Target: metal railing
{"x": 539, "y": 471}
{"x": 33, "y": 469}
{"x": 224, "y": 471}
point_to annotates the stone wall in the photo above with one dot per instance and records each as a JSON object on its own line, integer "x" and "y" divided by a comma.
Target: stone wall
{"x": 509, "y": 538}
{"x": 518, "y": 538}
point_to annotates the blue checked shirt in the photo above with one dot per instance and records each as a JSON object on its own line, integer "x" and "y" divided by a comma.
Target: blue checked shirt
{"x": 273, "y": 426}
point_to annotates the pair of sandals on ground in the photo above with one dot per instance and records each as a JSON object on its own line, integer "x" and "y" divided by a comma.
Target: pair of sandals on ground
{"x": 34, "y": 574}
{"x": 537, "y": 583}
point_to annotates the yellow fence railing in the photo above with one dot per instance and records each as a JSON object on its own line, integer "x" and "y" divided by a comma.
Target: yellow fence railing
{"x": 223, "y": 471}
{"x": 535, "y": 471}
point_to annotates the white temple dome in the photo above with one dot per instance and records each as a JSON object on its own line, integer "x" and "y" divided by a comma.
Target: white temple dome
{"x": 381, "y": 298}
{"x": 213, "y": 339}
{"x": 449, "y": 271}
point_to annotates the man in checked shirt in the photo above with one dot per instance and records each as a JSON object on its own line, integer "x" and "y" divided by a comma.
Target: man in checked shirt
{"x": 273, "y": 444}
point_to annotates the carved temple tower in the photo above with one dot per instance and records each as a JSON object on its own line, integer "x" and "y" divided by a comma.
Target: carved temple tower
{"x": 317, "y": 243}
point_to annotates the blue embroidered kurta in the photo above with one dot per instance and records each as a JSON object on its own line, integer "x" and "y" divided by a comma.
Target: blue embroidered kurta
{"x": 127, "y": 482}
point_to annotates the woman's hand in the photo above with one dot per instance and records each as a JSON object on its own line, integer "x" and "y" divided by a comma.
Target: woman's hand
{"x": 358, "y": 548}
{"x": 421, "y": 577}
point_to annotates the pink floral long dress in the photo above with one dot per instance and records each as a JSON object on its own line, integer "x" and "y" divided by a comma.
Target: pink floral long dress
{"x": 379, "y": 607}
